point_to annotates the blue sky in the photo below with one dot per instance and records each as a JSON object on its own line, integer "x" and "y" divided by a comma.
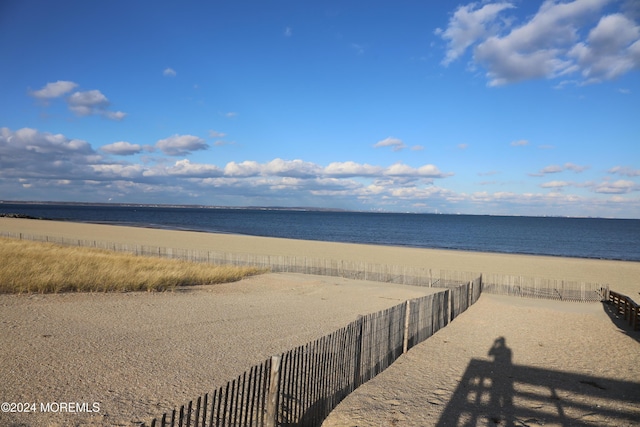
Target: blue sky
{"x": 507, "y": 107}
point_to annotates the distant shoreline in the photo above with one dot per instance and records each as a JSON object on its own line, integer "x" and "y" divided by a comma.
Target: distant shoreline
{"x": 284, "y": 208}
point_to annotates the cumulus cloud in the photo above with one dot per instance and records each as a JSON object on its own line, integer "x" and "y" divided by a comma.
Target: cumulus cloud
{"x": 351, "y": 169}
{"x": 53, "y": 90}
{"x": 29, "y": 153}
{"x": 122, "y": 148}
{"x": 468, "y": 24}
{"x": 243, "y": 169}
{"x": 611, "y": 49}
{"x": 555, "y": 184}
{"x": 187, "y": 169}
{"x": 291, "y": 168}
{"x": 92, "y": 102}
{"x": 181, "y": 145}
{"x": 82, "y": 103}
{"x": 575, "y": 168}
{"x": 617, "y": 187}
{"x": 560, "y": 168}
{"x": 625, "y": 170}
{"x": 395, "y": 143}
{"x": 39, "y": 165}
{"x": 551, "y": 44}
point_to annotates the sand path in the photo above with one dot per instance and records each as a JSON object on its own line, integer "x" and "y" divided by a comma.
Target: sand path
{"x": 567, "y": 364}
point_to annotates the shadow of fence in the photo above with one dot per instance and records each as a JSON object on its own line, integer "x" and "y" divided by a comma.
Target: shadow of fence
{"x": 501, "y": 393}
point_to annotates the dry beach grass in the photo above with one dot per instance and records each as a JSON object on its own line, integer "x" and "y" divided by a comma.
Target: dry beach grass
{"x": 46, "y": 267}
{"x": 139, "y": 354}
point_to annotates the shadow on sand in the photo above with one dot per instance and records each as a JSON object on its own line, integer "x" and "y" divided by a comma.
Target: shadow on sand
{"x": 501, "y": 393}
{"x": 619, "y": 320}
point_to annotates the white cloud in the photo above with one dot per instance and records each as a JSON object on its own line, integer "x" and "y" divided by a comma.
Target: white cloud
{"x": 169, "y": 72}
{"x": 181, "y": 145}
{"x": 40, "y": 165}
{"x": 560, "y": 168}
{"x": 54, "y": 90}
{"x": 29, "y": 153}
{"x": 402, "y": 170}
{"x": 114, "y": 115}
{"x": 122, "y": 148}
{"x": 624, "y": 170}
{"x": 92, "y": 102}
{"x": 468, "y": 25}
{"x": 551, "y": 44}
{"x": 395, "y": 143}
{"x": 187, "y": 169}
{"x": 616, "y": 187}
{"x": 243, "y": 169}
{"x": 612, "y": 49}
{"x": 575, "y": 168}
{"x": 555, "y": 184}
{"x": 520, "y": 143}
{"x": 552, "y": 169}
{"x": 216, "y": 134}
{"x": 85, "y": 103}
{"x": 117, "y": 171}
{"x": 351, "y": 169}
{"x": 291, "y": 168}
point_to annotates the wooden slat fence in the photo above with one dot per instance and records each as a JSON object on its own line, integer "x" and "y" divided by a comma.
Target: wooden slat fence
{"x": 625, "y": 307}
{"x": 302, "y": 386}
{"x": 537, "y": 287}
{"x": 399, "y": 274}
{"x": 501, "y": 284}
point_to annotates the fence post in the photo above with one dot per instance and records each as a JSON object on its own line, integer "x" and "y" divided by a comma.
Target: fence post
{"x": 430, "y": 279}
{"x": 407, "y": 315}
{"x": 358, "y": 355}
{"x": 272, "y": 396}
{"x": 449, "y": 302}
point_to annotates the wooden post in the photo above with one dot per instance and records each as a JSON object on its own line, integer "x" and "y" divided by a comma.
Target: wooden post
{"x": 358, "y": 355}
{"x": 272, "y": 396}
{"x": 407, "y": 315}
{"x": 430, "y": 279}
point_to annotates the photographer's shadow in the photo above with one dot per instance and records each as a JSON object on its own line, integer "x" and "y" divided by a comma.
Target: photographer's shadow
{"x": 500, "y": 393}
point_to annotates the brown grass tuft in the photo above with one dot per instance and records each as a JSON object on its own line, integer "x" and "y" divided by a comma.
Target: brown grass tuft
{"x": 34, "y": 267}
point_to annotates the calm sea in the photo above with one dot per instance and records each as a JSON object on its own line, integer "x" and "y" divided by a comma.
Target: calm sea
{"x": 571, "y": 237}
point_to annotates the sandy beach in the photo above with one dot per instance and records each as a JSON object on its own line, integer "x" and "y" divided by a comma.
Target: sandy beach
{"x": 620, "y": 275}
{"x": 140, "y": 354}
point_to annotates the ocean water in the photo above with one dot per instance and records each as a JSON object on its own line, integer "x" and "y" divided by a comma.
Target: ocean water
{"x": 617, "y": 239}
